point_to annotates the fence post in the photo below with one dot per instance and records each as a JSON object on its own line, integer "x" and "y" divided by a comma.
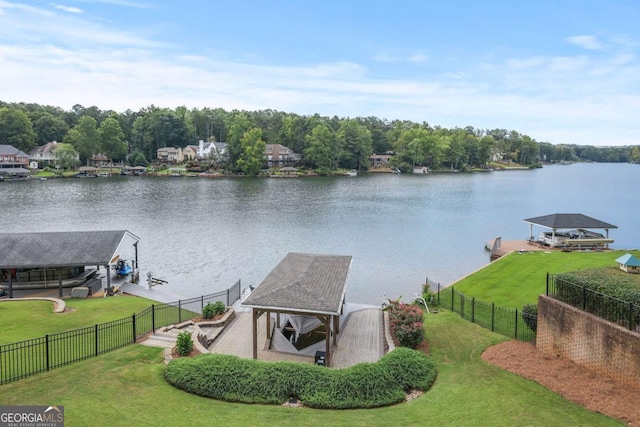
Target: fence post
{"x": 630, "y": 316}
{"x": 438, "y": 293}
{"x": 473, "y": 310}
{"x": 452, "y": 298}
{"x": 547, "y": 283}
{"x": 493, "y": 316}
{"x": 95, "y": 329}
{"x": 462, "y": 305}
{"x": 516, "y": 332}
{"x": 153, "y": 318}
{"x": 201, "y": 302}
{"x": 584, "y": 298}
{"x": 179, "y": 311}
{"x": 133, "y": 325}
{"x": 228, "y": 289}
{"x": 46, "y": 340}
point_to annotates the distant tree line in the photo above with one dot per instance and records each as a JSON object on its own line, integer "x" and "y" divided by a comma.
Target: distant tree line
{"x": 325, "y": 143}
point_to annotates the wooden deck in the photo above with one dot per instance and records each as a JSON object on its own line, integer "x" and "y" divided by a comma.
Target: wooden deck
{"x": 507, "y": 246}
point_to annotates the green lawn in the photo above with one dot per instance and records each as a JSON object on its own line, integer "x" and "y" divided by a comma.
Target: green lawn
{"x": 518, "y": 278}
{"x": 23, "y": 320}
{"x": 126, "y": 387}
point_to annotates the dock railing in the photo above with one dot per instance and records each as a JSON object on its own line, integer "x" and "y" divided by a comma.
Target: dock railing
{"x": 25, "y": 358}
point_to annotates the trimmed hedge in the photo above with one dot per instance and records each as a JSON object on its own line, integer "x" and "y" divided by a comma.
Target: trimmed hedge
{"x": 366, "y": 385}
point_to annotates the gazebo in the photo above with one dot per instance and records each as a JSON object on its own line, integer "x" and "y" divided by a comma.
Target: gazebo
{"x": 305, "y": 287}
{"x": 41, "y": 255}
{"x": 571, "y": 229}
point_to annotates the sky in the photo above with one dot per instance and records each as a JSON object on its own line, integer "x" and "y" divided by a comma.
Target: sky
{"x": 561, "y": 71}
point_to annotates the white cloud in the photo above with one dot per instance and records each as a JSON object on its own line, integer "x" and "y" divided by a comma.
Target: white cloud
{"x": 415, "y": 58}
{"x": 68, "y": 9}
{"x": 586, "y": 42}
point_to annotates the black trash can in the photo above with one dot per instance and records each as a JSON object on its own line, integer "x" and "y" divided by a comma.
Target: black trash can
{"x": 320, "y": 358}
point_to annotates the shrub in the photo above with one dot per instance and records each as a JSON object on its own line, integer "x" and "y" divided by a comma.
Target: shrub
{"x": 405, "y": 323}
{"x": 410, "y": 335}
{"x": 365, "y": 385}
{"x": 184, "y": 343}
{"x": 210, "y": 310}
{"x": 530, "y": 316}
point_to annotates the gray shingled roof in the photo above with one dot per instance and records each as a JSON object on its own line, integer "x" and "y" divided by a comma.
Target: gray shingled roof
{"x": 569, "y": 221}
{"x": 304, "y": 283}
{"x": 57, "y": 249}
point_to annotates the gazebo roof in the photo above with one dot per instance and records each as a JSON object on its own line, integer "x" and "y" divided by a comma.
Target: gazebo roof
{"x": 60, "y": 249}
{"x": 569, "y": 221}
{"x": 306, "y": 283}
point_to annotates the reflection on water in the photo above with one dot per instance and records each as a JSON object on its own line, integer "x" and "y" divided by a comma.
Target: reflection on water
{"x": 203, "y": 234}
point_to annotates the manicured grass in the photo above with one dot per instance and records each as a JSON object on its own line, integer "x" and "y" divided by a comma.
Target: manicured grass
{"x": 518, "y": 278}
{"x": 23, "y": 320}
{"x": 126, "y": 387}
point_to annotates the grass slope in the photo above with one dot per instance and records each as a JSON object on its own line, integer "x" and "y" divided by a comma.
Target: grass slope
{"x": 518, "y": 278}
{"x": 23, "y": 320}
{"x": 127, "y": 387}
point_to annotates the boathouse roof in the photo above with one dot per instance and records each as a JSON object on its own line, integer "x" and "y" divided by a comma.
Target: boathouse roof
{"x": 61, "y": 249}
{"x": 569, "y": 221}
{"x": 308, "y": 283}
{"x": 628, "y": 260}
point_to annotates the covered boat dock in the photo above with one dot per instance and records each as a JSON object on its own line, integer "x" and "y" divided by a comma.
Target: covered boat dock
{"x": 35, "y": 259}
{"x": 570, "y": 231}
{"x": 310, "y": 290}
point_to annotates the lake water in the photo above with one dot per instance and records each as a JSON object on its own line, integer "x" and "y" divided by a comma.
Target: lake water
{"x": 203, "y": 234}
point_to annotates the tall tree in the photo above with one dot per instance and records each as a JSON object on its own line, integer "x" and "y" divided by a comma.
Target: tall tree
{"x": 252, "y": 154}
{"x": 16, "y": 129}
{"x": 354, "y": 144}
{"x": 84, "y": 137}
{"x": 320, "y": 152}
{"x": 112, "y": 137}
{"x": 66, "y": 156}
{"x": 238, "y": 126}
{"x": 49, "y": 128}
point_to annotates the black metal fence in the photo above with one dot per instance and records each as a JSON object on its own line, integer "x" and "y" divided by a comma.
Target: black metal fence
{"x": 506, "y": 321}
{"x": 25, "y": 358}
{"x": 623, "y": 313}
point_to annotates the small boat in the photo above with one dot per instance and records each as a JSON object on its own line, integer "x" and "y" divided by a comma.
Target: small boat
{"x": 42, "y": 178}
{"x": 352, "y": 172}
{"x": 123, "y": 268}
{"x": 395, "y": 170}
{"x": 104, "y": 175}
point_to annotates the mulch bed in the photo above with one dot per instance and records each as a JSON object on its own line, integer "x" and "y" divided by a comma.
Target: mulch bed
{"x": 586, "y": 387}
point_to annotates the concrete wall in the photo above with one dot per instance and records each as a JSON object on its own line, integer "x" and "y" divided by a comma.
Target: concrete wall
{"x": 567, "y": 332}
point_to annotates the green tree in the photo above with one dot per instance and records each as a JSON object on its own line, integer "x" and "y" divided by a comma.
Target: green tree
{"x": 320, "y": 152}
{"x": 354, "y": 142}
{"x": 84, "y": 137}
{"x": 252, "y": 154}
{"x": 112, "y": 137}
{"x": 137, "y": 159}
{"x": 238, "y": 126}
{"x": 66, "y": 156}
{"x": 485, "y": 149}
{"x": 16, "y": 129}
{"x": 49, "y": 128}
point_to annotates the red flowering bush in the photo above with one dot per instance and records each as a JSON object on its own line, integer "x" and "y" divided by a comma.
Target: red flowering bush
{"x": 405, "y": 324}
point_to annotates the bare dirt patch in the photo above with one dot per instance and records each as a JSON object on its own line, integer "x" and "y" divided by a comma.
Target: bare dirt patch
{"x": 588, "y": 388}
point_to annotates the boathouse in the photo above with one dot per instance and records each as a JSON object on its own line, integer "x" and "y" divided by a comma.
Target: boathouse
{"x": 570, "y": 231}
{"x": 45, "y": 260}
{"x": 628, "y": 263}
{"x": 308, "y": 290}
